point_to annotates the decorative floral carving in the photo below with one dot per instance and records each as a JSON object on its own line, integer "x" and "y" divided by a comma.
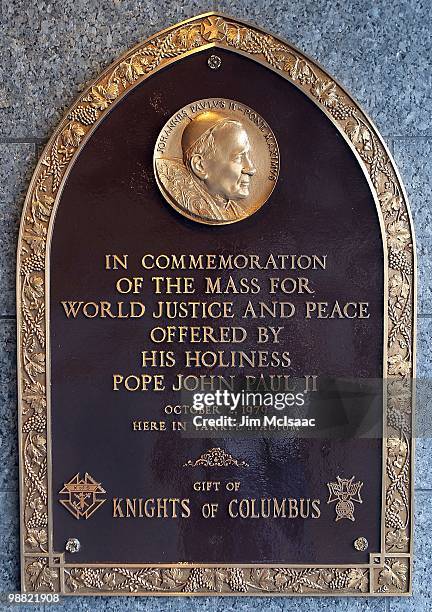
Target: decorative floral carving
{"x": 41, "y": 576}
{"x": 217, "y": 580}
{"x": 393, "y": 577}
{"x": 216, "y": 457}
{"x": 41, "y": 199}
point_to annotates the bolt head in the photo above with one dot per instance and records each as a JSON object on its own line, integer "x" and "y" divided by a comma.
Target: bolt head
{"x": 361, "y": 544}
{"x": 214, "y": 62}
{"x": 73, "y": 545}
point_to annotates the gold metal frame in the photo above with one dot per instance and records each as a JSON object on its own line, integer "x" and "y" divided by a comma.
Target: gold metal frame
{"x": 389, "y": 572}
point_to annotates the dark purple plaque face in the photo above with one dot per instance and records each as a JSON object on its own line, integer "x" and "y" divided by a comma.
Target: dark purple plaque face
{"x": 321, "y": 204}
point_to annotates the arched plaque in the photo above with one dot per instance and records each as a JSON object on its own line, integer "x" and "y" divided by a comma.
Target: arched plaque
{"x": 215, "y": 216}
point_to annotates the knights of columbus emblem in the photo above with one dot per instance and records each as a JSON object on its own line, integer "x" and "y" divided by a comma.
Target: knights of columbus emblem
{"x": 82, "y": 496}
{"x": 344, "y": 492}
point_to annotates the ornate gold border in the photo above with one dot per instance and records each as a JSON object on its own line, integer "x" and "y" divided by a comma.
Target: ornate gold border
{"x": 42, "y": 569}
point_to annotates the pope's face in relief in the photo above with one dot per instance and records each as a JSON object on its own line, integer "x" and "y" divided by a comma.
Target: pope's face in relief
{"x": 228, "y": 170}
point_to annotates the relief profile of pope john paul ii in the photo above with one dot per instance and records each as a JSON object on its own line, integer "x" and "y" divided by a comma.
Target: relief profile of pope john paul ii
{"x": 212, "y": 181}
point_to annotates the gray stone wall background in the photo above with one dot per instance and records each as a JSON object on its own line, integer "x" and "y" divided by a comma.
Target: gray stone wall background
{"x": 380, "y": 50}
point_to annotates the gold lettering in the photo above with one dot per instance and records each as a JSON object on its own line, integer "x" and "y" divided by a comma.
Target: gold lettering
{"x": 117, "y": 509}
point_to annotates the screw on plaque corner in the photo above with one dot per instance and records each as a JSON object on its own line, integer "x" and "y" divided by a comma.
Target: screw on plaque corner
{"x": 73, "y": 545}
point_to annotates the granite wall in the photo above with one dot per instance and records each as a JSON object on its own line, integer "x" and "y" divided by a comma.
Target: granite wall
{"x": 379, "y": 49}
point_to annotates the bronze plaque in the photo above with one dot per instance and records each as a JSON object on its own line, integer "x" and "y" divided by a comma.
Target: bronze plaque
{"x": 216, "y": 326}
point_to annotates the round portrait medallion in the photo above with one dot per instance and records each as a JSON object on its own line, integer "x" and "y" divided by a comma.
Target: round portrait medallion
{"x": 216, "y": 161}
